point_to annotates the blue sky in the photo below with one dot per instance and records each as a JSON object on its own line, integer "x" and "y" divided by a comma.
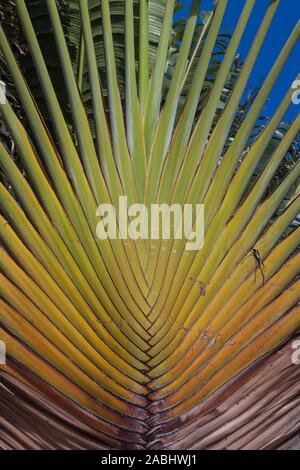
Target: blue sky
{"x": 287, "y": 15}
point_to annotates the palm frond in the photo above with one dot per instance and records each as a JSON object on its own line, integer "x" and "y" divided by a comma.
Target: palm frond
{"x": 124, "y": 343}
